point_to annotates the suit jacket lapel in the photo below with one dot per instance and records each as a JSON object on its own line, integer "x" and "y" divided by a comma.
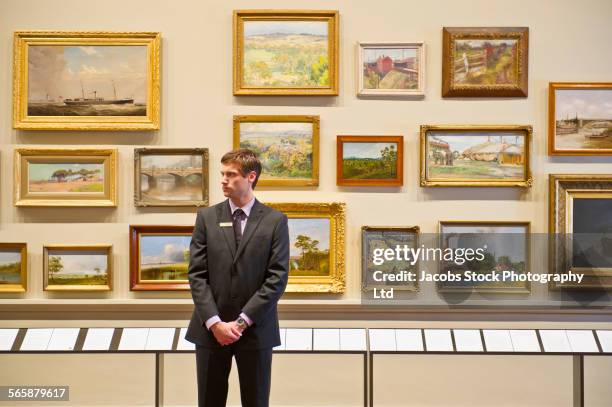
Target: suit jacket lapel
{"x": 224, "y": 215}
{"x": 253, "y": 221}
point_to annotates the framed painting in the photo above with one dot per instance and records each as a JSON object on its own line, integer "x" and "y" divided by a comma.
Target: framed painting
{"x": 65, "y": 177}
{"x": 77, "y": 267}
{"x": 86, "y": 80}
{"x": 485, "y": 61}
{"x": 580, "y": 224}
{"x": 287, "y": 146}
{"x": 473, "y": 156}
{"x": 504, "y": 246}
{"x": 286, "y": 52}
{"x": 316, "y": 234}
{"x": 13, "y": 267}
{"x": 390, "y": 69}
{"x": 171, "y": 177}
{"x": 370, "y": 160}
{"x": 382, "y": 238}
{"x": 159, "y": 257}
{"x": 580, "y": 118}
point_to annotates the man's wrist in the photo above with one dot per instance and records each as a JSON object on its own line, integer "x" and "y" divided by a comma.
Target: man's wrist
{"x": 242, "y": 323}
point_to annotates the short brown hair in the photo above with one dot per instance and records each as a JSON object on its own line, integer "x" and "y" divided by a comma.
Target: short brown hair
{"x": 247, "y": 161}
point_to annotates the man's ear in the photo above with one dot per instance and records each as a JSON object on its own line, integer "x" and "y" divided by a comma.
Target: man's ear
{"x": 251, "y": 176}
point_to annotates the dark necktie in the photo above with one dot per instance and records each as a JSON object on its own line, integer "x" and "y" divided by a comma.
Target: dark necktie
{"x": 239, "y": 215}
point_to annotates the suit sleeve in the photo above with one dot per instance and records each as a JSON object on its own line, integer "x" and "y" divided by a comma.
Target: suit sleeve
{"x": 198, "y": 273}
{"x": 277, "y": 274}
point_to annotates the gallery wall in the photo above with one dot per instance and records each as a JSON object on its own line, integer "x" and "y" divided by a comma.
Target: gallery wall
{"x": 567, "y": 42}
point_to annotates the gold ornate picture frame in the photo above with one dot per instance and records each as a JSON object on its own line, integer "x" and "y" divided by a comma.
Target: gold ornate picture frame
{"x": 65, "y": 177}
{"x": 13, "y": 267}
{"x": 286, "y": 145}
{"x": 580, "y": 227}
{"x": 485, "y": 61}
{"x": 81, "y": 80}
{"x": 171, "y": 177}
{"x": 78, "y": 268}
{"x": 286, "y": 52}
{"x": 317, "y": 235}
{"x": 475, "y": 156}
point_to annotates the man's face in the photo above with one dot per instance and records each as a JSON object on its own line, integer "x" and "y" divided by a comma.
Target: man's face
{"x": 234, "y": 185}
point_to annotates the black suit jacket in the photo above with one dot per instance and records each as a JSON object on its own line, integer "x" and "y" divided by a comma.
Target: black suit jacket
{"x": 226, "y": 280}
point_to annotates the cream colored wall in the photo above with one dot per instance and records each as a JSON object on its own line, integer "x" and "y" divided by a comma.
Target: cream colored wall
{"x": 569, "y": 41}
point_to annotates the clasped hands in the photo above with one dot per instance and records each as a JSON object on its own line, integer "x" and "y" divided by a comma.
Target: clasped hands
{"x": 226, "y": 333}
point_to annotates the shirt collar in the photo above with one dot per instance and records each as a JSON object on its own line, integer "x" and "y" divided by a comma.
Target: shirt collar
{"x": 246, "y": 208}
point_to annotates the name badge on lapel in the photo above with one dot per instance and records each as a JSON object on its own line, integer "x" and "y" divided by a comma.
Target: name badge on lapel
{"x": 226, "y": 224}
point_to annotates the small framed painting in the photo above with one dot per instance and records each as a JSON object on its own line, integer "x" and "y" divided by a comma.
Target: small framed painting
{"x": 77, "y": 268}
{"x": 65, "y": 177}
{"x": 382, "y": 238}
{"x": 13, "y": 267}
{"x": 287, "y": 146}
{"x": 159, "y": 257}
{"x": 472, "y": 156}
{"x": 171, "y": 177}
{"x": 390, "y": 69}
{"x": 496, "y": 247}
{"x": 485, "y": 61}
{"x": 86, "y": 80}
{"x": 370, "y": 160}
{"x": 580, "y": 118}
{"x": 580, "y": 215}
{"x": 316, "y": 246}
{"x": 286, "y": 52}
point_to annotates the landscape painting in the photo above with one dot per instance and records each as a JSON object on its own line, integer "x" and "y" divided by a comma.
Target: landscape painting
{"x": 383, "y": 238}
{"x": 309, "y": 247}
{"x": 13, "y": 267}
{"x": 316, "y": 246}
{"x": 76, "y": 177}
{"x": 171, "y": 177}
{"x": 85, "y": 80}
{"x": 582, "y": 119}
{"x": 506, "y": 247}
{"x": 292, "y": 53}
{"x": 287, "y": 146}
{"x": 93, "y": 80}
{"x": 370, "y": 160}
{"x": 473, "y": 157}
{"x": 485, "y": 62}
{"x": 77, "y": 268}
{"x": 390, "y": 69}
{"x": 164, "y": 257}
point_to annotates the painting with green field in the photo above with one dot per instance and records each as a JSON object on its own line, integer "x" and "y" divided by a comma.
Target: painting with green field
{"x": 486, "y": 62}
{"x": 77, "y": 267}
{"x": 287, "y": 53}
{"x": 68, "y": 177}
{"x": 475, "y": 155}
{"x": 164, "y": 257}
{"x": 10, "y": 266}
{"x": 366, "y": 160}
{"x": 286, "y": 150}
{"x": 309, "y": 247}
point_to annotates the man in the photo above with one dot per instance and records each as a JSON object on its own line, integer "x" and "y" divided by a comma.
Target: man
{"x": 238, "y": 270}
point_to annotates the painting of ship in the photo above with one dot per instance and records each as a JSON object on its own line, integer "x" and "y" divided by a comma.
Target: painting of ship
{"x": 83, "y": 101}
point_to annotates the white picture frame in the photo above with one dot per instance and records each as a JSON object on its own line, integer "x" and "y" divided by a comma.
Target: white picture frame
{"x": 415, "y": 61}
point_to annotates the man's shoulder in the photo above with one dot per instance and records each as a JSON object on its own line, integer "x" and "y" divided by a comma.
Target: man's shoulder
{"x": 211, "y": 209}
{"x": 271, "y": 213}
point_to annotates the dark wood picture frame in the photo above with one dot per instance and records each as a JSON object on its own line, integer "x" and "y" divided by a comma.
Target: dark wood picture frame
{"x": 452, "y": 34}
{"x": 398, "y": 181}
{"x": 136, "y": 231}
